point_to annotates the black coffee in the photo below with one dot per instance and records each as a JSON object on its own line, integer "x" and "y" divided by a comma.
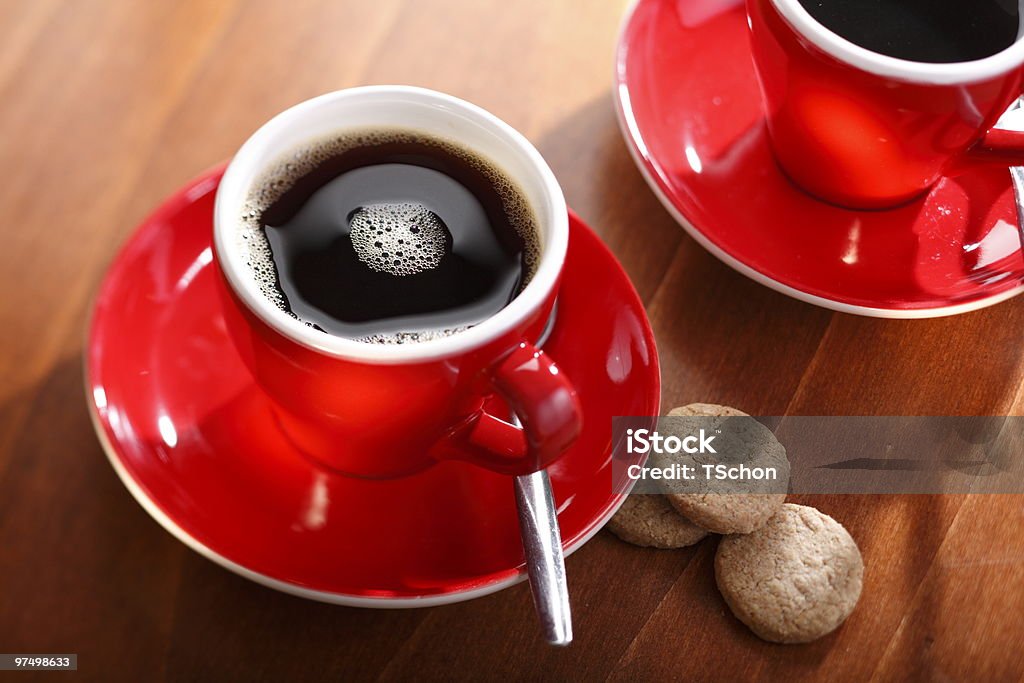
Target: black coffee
{"x": 922, "y": 30}
{"x": 390, "y": 236}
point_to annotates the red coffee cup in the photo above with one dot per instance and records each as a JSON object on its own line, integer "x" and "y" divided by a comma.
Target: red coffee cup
{"x": 866, "y": 130}
{"x": 389, "y": 410}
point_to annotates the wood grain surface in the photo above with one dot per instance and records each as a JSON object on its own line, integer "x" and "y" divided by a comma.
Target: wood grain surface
{"x": 106, "y": 107}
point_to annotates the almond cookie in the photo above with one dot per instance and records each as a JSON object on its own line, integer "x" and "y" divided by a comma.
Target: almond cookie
{"x": 795, "y": 579}
{"x": 648, "y": 520}
{"x": 706, "y": 409}
{"x": 730, "y": 507}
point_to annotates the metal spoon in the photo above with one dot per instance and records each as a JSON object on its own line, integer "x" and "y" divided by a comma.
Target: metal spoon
{"x": 1013, "y": 119}
{"x": 1017, "y": 176}
{"x": 545, "y": 563}
{"x": 542, "y": 546}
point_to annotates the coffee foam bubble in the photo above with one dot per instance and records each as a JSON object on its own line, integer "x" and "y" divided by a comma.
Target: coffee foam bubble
{"x": 398, "y": 238}
{"x": 289, "y": 168}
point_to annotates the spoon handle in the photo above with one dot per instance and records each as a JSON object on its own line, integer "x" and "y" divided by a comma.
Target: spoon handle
{"x": 545, "y": 563}
{"x": 1017, "y": 176}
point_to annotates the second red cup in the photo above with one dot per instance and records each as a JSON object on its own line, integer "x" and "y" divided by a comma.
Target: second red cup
{"x": 867, "y": 130}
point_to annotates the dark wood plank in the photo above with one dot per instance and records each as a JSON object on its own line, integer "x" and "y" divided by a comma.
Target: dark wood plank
{"x": 83, "y": 568}
{"x": 964, "y": 621}
{"x": 85, "y": 116}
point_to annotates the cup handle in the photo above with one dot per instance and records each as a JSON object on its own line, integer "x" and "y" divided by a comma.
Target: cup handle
{"x": 1000, "y": 147}
{"x": 546, "y": 404}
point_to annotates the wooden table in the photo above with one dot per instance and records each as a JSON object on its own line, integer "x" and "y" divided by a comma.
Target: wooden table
{"x": 106, "y": 107}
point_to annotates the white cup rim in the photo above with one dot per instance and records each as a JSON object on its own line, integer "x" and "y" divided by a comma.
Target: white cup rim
{"x": 900, "y": 69}
{"x": 234, "y": 187}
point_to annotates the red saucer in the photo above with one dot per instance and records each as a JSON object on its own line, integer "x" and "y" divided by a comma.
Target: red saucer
{"x": 193, "y": 438}
{"x": 690, "y": 111}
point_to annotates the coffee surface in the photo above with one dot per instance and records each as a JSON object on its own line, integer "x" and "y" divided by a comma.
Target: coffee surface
{"x": 390, "y": 236}
{"x": 940, "y": 31}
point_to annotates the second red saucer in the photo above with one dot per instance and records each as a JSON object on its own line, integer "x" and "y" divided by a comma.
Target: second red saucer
{"x": 690, "y": 111}
{"x": 195, "y": 440}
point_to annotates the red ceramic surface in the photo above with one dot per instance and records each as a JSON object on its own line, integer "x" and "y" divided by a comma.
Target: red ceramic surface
{"x": 690, "y": 110}
{"x": 195, "y": 440}
{"x": 543, "y": 399}
{"x": 865, "y": 139}
{"x": 386, "y": 410}
{"x": 408, "y": 415}
{"x": 381, "y": 420}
